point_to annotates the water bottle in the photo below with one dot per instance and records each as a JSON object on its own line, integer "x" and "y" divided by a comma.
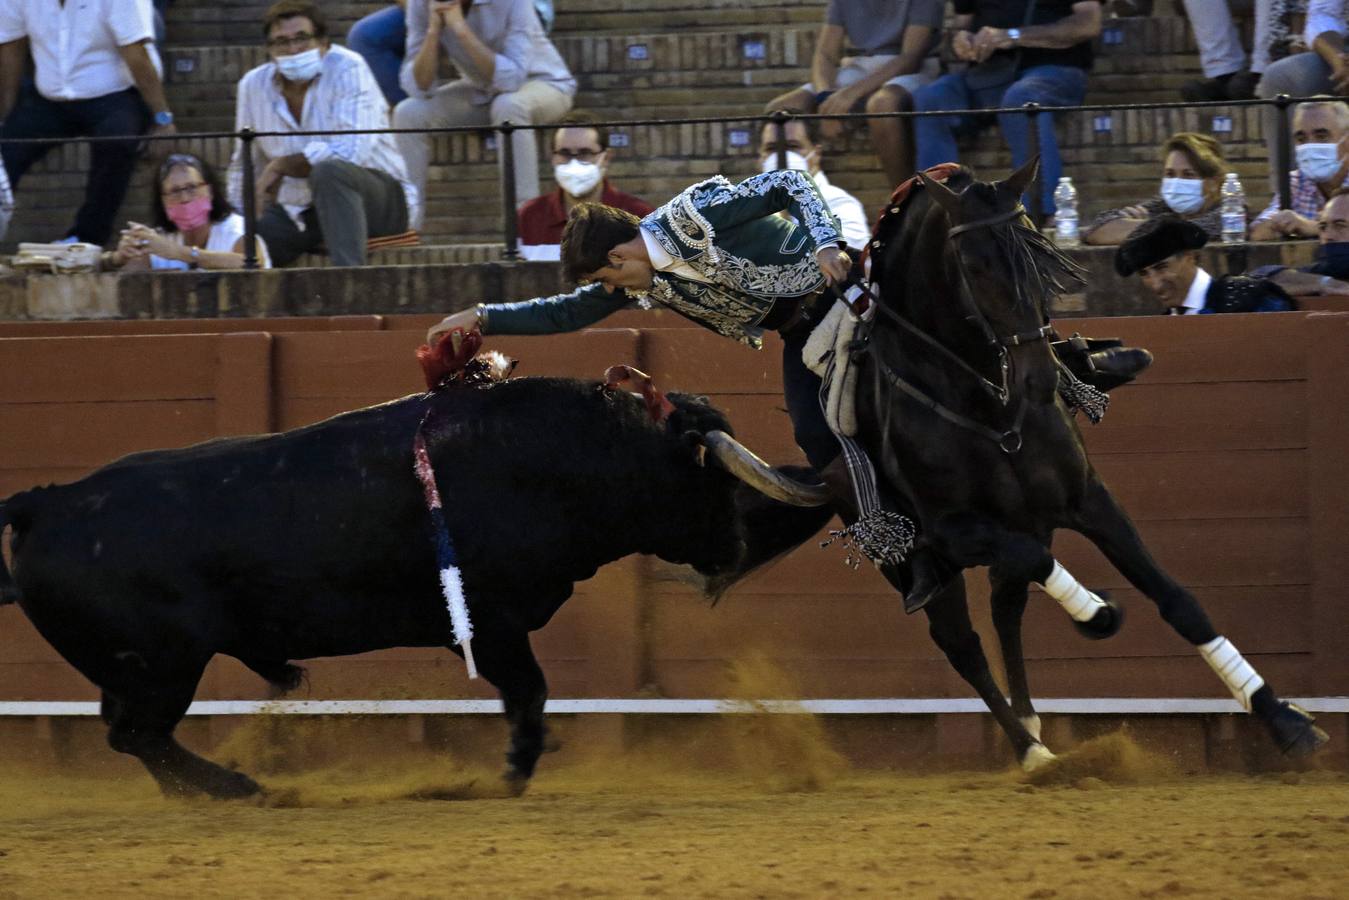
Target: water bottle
{"x": 1065, "y": 213}
{"x": 1233, "y": 210}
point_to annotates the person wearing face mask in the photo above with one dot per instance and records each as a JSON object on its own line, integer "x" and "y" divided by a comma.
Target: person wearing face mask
{"x": 1321, "y": 133}
{"x": 1329, "y": 272}
{"x": 581, "y": 155}
{"x": 1165, "y": 253}
{"x": 337, "y": 190}
{"x": 804, "y": 155}
{"x": 1191, "y": 188}
{"x": 193, "y": 226}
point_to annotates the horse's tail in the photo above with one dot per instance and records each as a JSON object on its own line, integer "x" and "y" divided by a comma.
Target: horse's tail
{"x": 11, "y": 515}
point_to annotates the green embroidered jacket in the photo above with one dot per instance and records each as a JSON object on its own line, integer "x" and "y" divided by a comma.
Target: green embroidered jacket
{"x": 727, "y": 233}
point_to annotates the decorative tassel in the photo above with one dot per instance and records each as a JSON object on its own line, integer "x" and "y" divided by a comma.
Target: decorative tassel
{"x": 451, "y": 581}
{"x": 882, "y": 536}
{"x": 1081, "y": 397}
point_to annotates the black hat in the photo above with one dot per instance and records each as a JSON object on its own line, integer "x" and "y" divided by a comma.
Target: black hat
{"x": 1155, "y": 240}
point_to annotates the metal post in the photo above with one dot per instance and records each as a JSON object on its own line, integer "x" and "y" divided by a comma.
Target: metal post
{"x": 780, "y": 119}
{"x": 250, "y": 201}
{"x": 1036, "y": 204}
{"x": 1283, "y": 152}
{"x": 506, "y": 154}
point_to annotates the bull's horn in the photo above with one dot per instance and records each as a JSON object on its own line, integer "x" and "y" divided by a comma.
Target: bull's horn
{"x": 737, "y": 459}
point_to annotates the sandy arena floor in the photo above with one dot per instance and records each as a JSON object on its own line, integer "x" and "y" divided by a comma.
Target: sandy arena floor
{"x": 791, "y": 821}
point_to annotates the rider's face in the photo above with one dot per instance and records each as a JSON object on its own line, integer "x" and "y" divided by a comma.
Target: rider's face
{"x": 1171, "y": 278}
{"x": 629, "y": 268}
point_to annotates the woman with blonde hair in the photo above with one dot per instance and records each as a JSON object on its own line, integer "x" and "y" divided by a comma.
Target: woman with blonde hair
{"x": 1192, "y": 178}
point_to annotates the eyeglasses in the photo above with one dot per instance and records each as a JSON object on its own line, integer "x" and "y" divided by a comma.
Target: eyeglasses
{"x": 294, "y": 42}
{"x": 183, "y": 191}
{"x": 586, "y": 155}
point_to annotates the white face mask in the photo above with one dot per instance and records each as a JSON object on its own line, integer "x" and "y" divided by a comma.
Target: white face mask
{"x": 794, "y": 161}
{"x": 1319, "y": 162}
{"x": 578, "y": 178}
{"x": 1183, "y": 195}
{"x": 300, "y": 66}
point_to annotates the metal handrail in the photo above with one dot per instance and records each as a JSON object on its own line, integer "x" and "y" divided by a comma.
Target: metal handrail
{"x": 504, "y": 130}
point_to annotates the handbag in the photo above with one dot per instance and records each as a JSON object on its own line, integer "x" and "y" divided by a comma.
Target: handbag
{"x": 999, "y": 70}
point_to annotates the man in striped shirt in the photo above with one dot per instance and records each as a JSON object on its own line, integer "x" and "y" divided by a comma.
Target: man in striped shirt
{"x": 333, "y": 189}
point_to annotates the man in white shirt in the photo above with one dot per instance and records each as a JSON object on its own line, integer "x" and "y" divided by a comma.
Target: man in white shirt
{"x": 334, "y": 189}
{"x": 509, "y": 72}
{"x": 804, "y": 155}
{"x": 96, "y": 74}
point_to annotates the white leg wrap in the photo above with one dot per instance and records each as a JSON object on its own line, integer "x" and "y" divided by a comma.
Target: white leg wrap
{"x": 1032, "y": 724}
{"x": 1241, "y": 679}
{"x": 1076, "y": 600}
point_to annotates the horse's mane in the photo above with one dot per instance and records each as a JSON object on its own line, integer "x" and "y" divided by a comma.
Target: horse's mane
{"x": 1038, "y": 269}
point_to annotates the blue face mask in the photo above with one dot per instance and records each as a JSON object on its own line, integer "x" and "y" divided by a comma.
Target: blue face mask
{"x": 300, "y": 66}
{"x": 1332, "y": 259}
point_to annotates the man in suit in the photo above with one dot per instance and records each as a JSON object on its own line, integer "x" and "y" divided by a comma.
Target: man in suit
{"x": 1165, "y": 253}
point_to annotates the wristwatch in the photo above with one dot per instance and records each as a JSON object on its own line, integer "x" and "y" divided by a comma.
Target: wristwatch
{"x": 196, "y": 257}
{"x": 163, "y": 117}
{"x": 1014, "y": 35}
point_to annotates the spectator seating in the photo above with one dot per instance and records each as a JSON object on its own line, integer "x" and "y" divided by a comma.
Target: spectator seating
{"x": 675, "y": 59}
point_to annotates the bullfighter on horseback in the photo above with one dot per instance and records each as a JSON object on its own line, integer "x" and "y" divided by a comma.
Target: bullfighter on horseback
{"x": 721, "y": 255}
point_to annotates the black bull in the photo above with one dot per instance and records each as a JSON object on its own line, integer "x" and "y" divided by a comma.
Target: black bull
{"x": 316, "y": 542}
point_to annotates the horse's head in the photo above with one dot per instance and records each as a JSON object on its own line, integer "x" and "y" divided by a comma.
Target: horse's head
{"x": 1003, "y": 270}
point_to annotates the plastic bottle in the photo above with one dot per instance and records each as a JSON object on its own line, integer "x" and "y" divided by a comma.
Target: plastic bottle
{"x": 1065, "y": 213}
{"x": 1233, "y": 210}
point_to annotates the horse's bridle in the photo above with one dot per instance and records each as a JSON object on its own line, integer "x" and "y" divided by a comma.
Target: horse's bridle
{"x": 1008, "y": 441}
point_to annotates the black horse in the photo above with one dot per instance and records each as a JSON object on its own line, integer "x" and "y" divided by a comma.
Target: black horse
{"x": 958, "y": 405}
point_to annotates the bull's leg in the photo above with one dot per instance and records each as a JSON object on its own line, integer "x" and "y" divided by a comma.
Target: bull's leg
{"x": 1103, "y": 521}
{"x": 507, "y": 661}
{"x": 141, "y": 717}
{"x": 1008, "y": 601}
{"x": 950, "y": 627}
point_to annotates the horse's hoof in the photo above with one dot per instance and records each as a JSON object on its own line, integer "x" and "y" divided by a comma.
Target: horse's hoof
{"x": 1106, "y": 623}
{"x": 1293, "y": 729}
{"x": 1037, "y": 756}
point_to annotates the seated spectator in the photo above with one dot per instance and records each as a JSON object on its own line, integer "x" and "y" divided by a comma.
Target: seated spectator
{"x": 1011, "y": 64}
{"x": 381, "y": 38}
{"x": 96, "y": 74}
{"x": 6, "y": 203}
{"x": 893, "y": 41}
{"x": 1192, "y": 179}
{"x": 581, "y": 156}
{"x": 1329, "y": 273}
{"x": 509, "y": 72}
{"x": 194, "y": 226}
{"x": 1321, "y": 133}
{"x": 1324, "y": 69}
{"x": 1165, "y": 253}
{"x": 338, "y": 189}
{"x": 803, "y": 155}
{"x": 1227, "y": 76}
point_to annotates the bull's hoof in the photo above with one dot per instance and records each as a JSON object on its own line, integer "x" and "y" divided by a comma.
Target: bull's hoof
{"x": 1294, "y": 730}
{"x": 514, "y": 782}
{"x": 232, "y": 786}
{"x": 1037, "y": 756}
{"x": 1106, "y": 623}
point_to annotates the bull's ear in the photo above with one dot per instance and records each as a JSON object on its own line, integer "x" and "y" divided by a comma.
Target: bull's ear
{"x": 1019, "y": 180}
{"x": 946, "y": 198}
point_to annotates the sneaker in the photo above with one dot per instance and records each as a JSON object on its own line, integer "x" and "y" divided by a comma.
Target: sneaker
{"x": 1241, "y": 85}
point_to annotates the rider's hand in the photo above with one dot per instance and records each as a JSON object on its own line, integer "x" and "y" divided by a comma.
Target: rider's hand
{"x": 834, "y": 264}
{"x": 466, "y": 319}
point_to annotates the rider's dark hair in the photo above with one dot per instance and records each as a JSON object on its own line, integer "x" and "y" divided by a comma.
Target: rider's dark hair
{"x": 593, "y": 229}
